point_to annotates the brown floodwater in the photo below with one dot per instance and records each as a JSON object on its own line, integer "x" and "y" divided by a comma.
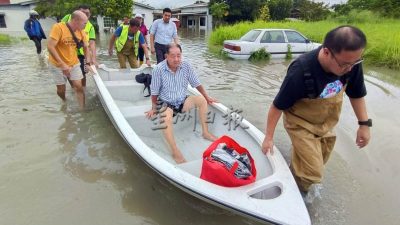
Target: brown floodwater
{"x": 62, "y": 166}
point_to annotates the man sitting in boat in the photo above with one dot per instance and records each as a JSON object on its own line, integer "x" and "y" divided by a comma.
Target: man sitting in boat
{"x": 169, "y": 85}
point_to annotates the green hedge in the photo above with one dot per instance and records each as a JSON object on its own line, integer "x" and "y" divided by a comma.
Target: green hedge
{"x": 383, "y": 48}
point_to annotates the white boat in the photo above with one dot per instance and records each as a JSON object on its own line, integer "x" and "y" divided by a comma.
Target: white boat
{"x": 273, "y": 197}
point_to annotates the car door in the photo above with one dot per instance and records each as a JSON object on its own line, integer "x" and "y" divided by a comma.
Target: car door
{"x": 299, "y": 44}
{"x": 274, "y": 42}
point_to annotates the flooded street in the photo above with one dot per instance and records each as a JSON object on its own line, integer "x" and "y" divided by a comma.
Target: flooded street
{"x": 61, "y": 166}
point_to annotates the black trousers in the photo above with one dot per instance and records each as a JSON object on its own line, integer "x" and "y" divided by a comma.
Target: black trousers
{"x": 38, "y": 44}
{"x": 161, "y": 50}
{"x": 141, "y": 54}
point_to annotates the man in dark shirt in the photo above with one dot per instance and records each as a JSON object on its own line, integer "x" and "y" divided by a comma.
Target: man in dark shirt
{"x": 311, "y": 99}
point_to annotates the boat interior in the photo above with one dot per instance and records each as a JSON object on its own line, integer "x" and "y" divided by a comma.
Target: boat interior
{"x": 129, "y": 97}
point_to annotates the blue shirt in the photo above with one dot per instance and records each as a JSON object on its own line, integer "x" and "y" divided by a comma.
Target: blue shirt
{"x": 118, "y": 31}
{"x": 172, "y": 87}
{"x": 164, "y": 33}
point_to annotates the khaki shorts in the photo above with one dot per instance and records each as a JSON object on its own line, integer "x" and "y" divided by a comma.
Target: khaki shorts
{"x": 60, "y": 79}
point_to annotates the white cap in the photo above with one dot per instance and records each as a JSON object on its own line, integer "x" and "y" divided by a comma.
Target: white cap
{"x": 138, "y": 15}
{"x": 33, "y": 13}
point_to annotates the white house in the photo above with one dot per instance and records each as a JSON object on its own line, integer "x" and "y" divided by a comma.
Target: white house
{"x": 195, "y": 16}
{"x": 13, "y": 15}
{"x": 105, "y": 23}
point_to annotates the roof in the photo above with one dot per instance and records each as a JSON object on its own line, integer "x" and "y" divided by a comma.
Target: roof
{"x": 16, "y": 2}
{"x": 4, "y": 2}
{"x": 143, "y": 5}
{"x": 195, "y": 5}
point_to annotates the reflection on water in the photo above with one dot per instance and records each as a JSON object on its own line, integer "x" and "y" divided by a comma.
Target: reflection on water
{"x": 75, "y": 168}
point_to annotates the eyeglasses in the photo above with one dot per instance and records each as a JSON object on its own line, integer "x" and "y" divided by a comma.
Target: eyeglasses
{"x": 346, "y": 65}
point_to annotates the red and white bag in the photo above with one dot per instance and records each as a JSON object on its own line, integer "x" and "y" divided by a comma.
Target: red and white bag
{"x": 216, "y": 172}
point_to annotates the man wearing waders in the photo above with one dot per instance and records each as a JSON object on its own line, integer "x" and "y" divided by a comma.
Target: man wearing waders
{"x": 311, "y": 99}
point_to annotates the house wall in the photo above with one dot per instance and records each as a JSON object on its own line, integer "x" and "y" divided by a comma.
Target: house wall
{"x": 146, "y": 13}
{"x": 15, "y": 16}
{"x": 194, "y": 13}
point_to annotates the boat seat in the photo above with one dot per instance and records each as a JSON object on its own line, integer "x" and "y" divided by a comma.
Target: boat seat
{"x": 134, "y": 111}
{"x": 119, "y": 83}
{"x": 192, "y": 167}
{"x": 127, "y": 91}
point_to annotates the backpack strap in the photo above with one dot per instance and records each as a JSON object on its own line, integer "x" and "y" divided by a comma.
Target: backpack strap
{"x": 79, "y": 44}
{"x": 309, "y": 82}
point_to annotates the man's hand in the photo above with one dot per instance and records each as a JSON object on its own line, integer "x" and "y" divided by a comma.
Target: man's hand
{"x": 94, "y": 62}
{"x": 66, "y": 70}
{"x": 148, "y": 62}
{"x": 110, "y": 51}
{"x": 363, "y": 136}
{"x": 267, "y": 146}
{"x": 211, "y": 100}
{"x": 150, "y": 113}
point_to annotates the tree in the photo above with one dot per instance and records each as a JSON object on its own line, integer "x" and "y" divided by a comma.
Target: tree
{"x": 312, "y": 11}
{"x": 115, "y": 9}
{"x": 264, "y": 13}
{"x": 219, "y": 10}
{"x": 279, "y": 9}
{"x": 240, "y": 10}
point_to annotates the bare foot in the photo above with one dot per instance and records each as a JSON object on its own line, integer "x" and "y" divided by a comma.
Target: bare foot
{"x": 178, "y": 158}
{"x": 209, "y": 136}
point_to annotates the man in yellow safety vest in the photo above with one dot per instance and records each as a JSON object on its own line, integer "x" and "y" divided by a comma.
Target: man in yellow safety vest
{"x": 127, "y": 39}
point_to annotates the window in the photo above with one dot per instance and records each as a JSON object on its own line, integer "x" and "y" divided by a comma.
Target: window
{"x": 202, "y": 21}
{"x": 251, "y": 36}
{"x": 295, "y": 37}
{"x": 277, "y": 37}
{"x": 266, "y": 38}
{"x": 108, "y": 22}
{"x": 2, "y": 21}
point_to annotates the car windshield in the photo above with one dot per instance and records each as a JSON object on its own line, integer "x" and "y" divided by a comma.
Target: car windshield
{"x": 251, "y": 35}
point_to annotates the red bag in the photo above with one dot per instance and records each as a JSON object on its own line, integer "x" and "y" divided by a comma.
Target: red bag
{"x": 216, "y": 172}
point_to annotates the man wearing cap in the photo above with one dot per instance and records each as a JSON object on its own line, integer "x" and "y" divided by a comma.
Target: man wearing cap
{"x": 143, "y": 30}
{"x": 91, "y": 35}
{"x": 34, "y": 30}
{"x": 162, "y": 33}
{"x": 127, "y": 40}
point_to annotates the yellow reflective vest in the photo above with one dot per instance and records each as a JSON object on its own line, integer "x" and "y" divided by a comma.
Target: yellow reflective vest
{"x": 120, "y": 42}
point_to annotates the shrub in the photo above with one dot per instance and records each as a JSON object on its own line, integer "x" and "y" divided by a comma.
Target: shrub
{"x": 260, "y": 54}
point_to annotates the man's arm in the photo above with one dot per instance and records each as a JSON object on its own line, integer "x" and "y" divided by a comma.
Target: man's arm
{"x": 88, "y": 54}
{"x": 203, "y": 92}
{"x": 111, "y": 45}
{"x": 153, "y": 110}
{"x": 175, "y": 35}
{"x": 146, "y": 54}
{"x": 152, "y": 49}
{"x": 176, "y": 40}
{"x": 274, "y": 114}
{"x": 363, "y": 132}
{"x": 92, "y": 50}
{"x": 51, "y": 46}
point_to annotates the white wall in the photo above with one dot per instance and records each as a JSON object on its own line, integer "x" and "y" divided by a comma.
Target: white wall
{"x": 15, "y": 17}
{"x": 148, "y": 14}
